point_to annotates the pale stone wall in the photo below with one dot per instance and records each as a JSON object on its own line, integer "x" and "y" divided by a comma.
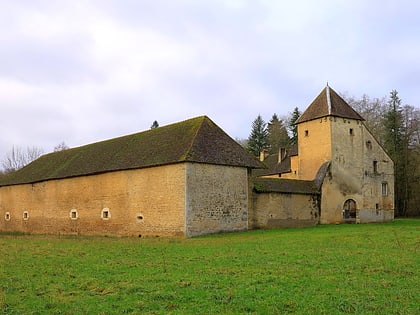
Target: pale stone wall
{"x": 274, "y": 210}
{"x": 314, "y": 147}
{"x": 143, "y": 202}
{"x": 352, "y": 175}
{"x": 217, "y": 199}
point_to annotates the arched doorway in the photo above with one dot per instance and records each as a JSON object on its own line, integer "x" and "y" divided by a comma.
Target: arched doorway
{"x": 349, "y": 209}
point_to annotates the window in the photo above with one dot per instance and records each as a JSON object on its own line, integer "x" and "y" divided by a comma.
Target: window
{"x": 306, "y": 133}
{"x": 73, "y": 214}
{"x": 351, "y": 132}
{"x": 25, "y": 215}
{"x": 384, "y": 189}
{"x": 375, "y": 167}
{"x": 140, "y": 217}
{"x": 7, "y": 216}
{"x": 369, "y": 145}
{"x": 105, "y": 214}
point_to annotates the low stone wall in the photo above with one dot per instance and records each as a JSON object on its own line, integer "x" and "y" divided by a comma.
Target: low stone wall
{"x": 372, "y": 215}
{"x": 278, "y": 210}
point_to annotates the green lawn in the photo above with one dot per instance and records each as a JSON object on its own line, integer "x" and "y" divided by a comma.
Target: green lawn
{"x": 334, "y": 269}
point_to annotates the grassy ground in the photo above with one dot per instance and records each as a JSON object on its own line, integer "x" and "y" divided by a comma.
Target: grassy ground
{"x": 335, "y": 269}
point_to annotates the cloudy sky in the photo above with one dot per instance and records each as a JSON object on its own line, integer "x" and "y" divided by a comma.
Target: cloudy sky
{"x": 89, "y": 70}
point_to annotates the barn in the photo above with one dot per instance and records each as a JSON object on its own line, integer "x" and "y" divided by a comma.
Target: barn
{"x": 184, "y": 179}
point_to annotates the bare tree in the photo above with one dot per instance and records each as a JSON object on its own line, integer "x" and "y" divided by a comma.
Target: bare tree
{"x": 61, "y": 147}
{"x": 18, "y": 158}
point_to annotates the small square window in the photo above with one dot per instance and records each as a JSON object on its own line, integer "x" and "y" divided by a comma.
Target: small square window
{"x": 306, "y": 133}
{"x": 7, "y": 216}
{"x": 351, "y": 132}
{"x": 73, "y": 214}
{"x": 25, "y": 215}
{"x": 105, "y": 214}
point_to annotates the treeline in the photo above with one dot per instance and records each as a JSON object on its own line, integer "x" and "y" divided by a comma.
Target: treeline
{"x": 271, "y": 136}
{"x": 395, "y": 126}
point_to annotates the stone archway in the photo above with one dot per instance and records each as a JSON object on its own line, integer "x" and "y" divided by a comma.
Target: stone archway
{"x": 349, "y": 209}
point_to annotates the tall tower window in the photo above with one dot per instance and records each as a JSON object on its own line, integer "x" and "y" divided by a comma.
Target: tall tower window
{"x": 351, "y": 132}
{"x": 384, "y": 189}
{"x": 306, "y": 133}
{"x": 375, "y": 167}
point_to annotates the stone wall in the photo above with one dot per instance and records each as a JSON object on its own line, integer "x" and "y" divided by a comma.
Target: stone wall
{"x": 217, "y": 199}
{"x": 359, "y": 169}
{"x": 314, "y": 147}
{"x": 143, "y": 202}
{"x": 274, "y": 210}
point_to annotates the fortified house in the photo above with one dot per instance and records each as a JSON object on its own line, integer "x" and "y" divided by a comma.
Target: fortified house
{"x": 190, "y": 178}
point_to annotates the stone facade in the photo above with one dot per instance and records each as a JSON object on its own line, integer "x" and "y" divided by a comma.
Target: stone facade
{"x": 361, "y": 171}
{"x": 353, "y": 173}
{"x": 280, "y": 210}
{"x": 216, "y": 199}
{"x": 184, "y": 199}
{"x": 142, "y": 202}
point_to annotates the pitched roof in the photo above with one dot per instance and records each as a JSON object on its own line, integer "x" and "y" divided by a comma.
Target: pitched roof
{"x": 195, "y": 140}
{"x": 328, "y": 103}
{"x": 273, "y": 166}
{"x": 281, "y": 185}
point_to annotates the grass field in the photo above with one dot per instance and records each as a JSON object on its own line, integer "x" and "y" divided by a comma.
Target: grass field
{"x": 335, "y": 269}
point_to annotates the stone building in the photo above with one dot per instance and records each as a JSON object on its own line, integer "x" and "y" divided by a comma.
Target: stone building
{"x": 346, "y": 166}
{"x": 190, "y": 178}
{"x": 185, "y": 179}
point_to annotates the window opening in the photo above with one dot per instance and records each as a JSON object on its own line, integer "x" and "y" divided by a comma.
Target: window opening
{"x": 105, "y": 214}
{"x": 73, "y": 214}
{"x": 375, "y": 167}
{"x": 7, "y": 216}
{"x": 25, "y": 215}
{"x": 306, "y": 133}
{"x": 384, "y": 189}
{"x": 351, "y": 132}
{"x": 369, "y": 145}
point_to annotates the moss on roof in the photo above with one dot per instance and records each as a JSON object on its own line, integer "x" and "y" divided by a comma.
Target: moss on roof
{"x": 281, "y": 185}
{"x": 195, "y": 140}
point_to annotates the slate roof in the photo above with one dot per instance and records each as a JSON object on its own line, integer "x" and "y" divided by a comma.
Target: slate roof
{"x": 282, "y": 185}
{"x": 195, "y": 140}
{"x": 328, "y": 103}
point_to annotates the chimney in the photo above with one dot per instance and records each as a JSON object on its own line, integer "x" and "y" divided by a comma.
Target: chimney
{"x": 282, "y": 154}
{"x": 263, "y": 155}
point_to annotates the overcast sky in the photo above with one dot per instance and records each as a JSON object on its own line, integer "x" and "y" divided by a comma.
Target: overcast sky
{"x": 85, "y": 71}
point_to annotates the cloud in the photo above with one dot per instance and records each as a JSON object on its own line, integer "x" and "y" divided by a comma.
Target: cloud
{"x": 83, "y": 71}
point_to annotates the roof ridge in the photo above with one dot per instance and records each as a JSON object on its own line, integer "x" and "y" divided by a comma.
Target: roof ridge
{"x": 193, "y": 139}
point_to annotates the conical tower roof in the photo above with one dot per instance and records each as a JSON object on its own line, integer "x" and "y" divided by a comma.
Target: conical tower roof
{"x": 328, "y": 103}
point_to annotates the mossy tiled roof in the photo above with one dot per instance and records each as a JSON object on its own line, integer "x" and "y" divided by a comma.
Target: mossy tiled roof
{"x": 195, "y": 140}
{"x": 281, "y": 185}
{"x": 328, "y": 103}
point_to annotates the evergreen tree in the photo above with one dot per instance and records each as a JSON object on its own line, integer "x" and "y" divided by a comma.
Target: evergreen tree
{"x": 293, "y": 127}
{"x": 394, "y": 144}
{"x": 257, "y": 140}
{"x": 277, "y": 136}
